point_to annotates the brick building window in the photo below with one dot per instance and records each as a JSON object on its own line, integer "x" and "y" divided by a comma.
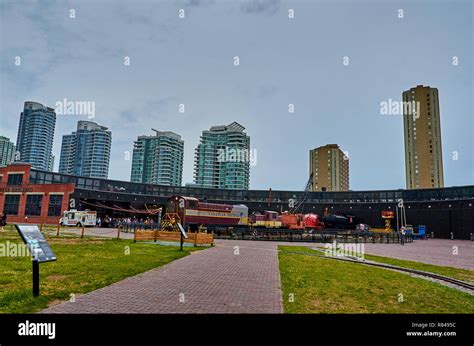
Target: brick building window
{"x": 12, "y": 202}
{"x": 33, "y": 205}
{"x": 55, "y": 202}
{"x": 15, "y": 179}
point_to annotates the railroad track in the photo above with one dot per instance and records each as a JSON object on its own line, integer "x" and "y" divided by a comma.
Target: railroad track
{"x": 446, "y": 279}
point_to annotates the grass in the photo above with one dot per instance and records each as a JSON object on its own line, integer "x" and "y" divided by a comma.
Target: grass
{"x": 320, "y": 285}
{"x": 83, "y": 265}
{"x": 455, "y": 273}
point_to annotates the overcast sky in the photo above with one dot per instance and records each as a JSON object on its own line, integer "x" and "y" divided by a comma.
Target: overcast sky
{"x": 283, "y": 61}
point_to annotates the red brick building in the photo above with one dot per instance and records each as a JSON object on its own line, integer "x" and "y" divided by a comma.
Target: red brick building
{"x": 39, "y": 203}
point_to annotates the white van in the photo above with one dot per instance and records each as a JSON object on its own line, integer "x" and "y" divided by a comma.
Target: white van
{"x": 78, "y": 218}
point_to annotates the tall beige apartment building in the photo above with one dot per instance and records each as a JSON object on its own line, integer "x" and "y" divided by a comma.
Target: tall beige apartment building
{"x": 423, "y": 154}
{"x": 330, "y": 168}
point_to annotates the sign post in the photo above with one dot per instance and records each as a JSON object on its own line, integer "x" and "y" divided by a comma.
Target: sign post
{"x": 39, "y": 250}
{"x": 183, "y": 235}
{"x": 36, "y": 278}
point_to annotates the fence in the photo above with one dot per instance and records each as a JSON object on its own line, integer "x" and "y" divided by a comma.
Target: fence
{"x": 323, "y": 237}
{"x": 131, "y": 227}
{"x": 197, "y": 238}
{"x": 144, "y": 232}
{"x": 90, "y": 231}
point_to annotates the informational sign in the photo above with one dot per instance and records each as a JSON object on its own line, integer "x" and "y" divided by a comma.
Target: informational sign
{"x": 183, "y": 232}
{"x": 37, "y": 244}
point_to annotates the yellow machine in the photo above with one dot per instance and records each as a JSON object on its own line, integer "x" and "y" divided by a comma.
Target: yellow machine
{"x": 388, "y": 217}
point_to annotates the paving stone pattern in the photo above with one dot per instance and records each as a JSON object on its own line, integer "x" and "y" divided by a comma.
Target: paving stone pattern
{"x": 210, "y": 281}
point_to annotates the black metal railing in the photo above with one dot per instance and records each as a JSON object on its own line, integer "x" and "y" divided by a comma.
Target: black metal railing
{"x": 319, "y": 237}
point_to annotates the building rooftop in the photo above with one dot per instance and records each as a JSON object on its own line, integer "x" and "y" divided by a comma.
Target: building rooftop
{"x": 235, "y": 126}
{"x": 89, "y": 125}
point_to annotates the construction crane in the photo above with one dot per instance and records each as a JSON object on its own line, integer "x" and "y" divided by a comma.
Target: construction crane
{"x": 401, "y": 216}
{"x": 301, "y": 202}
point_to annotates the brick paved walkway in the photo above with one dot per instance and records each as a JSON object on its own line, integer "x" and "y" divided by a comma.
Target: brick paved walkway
{"x": 210, "y": 281}
{"x": 434, "y": 251}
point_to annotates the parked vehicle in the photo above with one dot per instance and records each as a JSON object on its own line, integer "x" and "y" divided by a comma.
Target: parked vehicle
{"x": 78, "y": 218}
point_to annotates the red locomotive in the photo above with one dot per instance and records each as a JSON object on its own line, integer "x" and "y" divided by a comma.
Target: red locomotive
{"x": 302, "y": 221}
{"x": 194, "y": 213}
{"x": 313, "y": 221}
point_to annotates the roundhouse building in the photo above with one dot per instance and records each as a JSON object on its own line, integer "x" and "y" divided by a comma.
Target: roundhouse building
{"x": 23, "y": 199}
{"x": 442, "y": 210}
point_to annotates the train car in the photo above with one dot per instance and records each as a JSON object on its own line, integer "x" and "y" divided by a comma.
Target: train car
{"x": 269, "y": 219}
{"x": 340, "y": 221}
{"x": 292, "y": 221}
{"x": 257, "y": 219}
{"x": 272, "y": 219}
{"x": 194, "y": 213}
{"x": 313, "y": 222}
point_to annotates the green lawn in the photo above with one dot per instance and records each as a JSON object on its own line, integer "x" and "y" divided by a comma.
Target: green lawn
{"x": 455, "y": 273}
{"x": 320, "y": 285}
{"x": 83, "y": 265}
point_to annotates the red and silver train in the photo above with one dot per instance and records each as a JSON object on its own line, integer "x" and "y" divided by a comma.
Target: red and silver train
{"x": 194, "y": 213}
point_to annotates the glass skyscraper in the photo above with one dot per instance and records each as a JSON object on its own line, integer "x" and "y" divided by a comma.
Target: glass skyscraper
{"x": 7, "y": 151}
{"x": 158, "y": 159}
{"x": 222, "y": 158}
{"x": 35, "y": 135}
{"x": 86, "y": 152}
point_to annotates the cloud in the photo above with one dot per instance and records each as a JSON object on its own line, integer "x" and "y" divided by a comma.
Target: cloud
{"x": 197, "y": 3}
{"x": 189, "y": 61}
{"x": 139, "y": 116}
{"x": 267, "y": 91}
{"x": 262, "y": 92}
{"x": 260, "y": 7}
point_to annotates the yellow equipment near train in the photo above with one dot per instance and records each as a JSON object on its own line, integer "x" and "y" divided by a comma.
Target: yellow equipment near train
{"x": 269, "y": 219}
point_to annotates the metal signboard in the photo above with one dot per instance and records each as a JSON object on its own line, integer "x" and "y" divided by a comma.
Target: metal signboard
{"x": 37, "y": 244}
{"x": 183, "y": 232}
